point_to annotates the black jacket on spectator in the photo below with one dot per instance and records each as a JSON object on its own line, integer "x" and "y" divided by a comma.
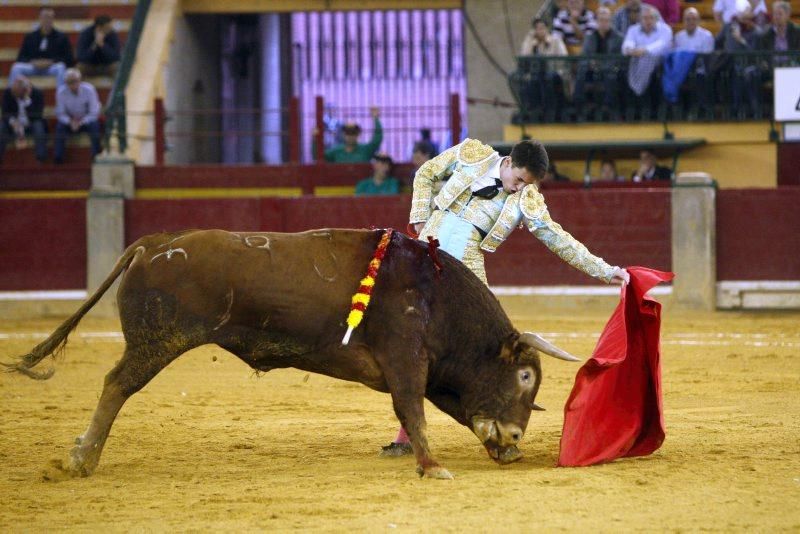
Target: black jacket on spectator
{"x": 591, "y": 44}
{"x": 34, "y": 111}
{"x": 659, "y": 173}
{"x": 58, "y": 47}
{"x": 105, "y": 55}
{"x": 767, "y": 41}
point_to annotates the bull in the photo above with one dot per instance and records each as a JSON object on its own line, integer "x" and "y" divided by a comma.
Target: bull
{"x": 281, "y": 300}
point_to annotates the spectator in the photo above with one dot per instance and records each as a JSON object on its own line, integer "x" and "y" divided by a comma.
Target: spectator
{"x": 604, "y": 41}
{"x": 381, "y": 182}
{"x": 45, "y": 51}
{"x": 783, "y": 34}
{"x": 755, "y": 18}
{"x": 98, "y": 49}
{"x": 77, "y": 110}
{"x": 627, "y": 16}
{"x": 670, "y": 10}
{"x": 574, "y": 23}
{"x": 649, "y": 169}
{"x": 23, "y": 108}
{"x": 726, "y": 10}
{"x": 608, "y": 172}
{"x": 542, "y": 87}
{"x": 423, "y": 151}
{"x": 425, "y": 135}
{"x": 693, "y": 39}
{"x": 351, "y": 151}
{"x": 646, "y": 42}
{"x": 552, "y": 174}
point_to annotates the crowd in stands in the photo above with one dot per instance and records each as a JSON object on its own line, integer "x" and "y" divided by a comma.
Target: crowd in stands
{"x": 628, "y": 63}
{"x": 47, "y": 52}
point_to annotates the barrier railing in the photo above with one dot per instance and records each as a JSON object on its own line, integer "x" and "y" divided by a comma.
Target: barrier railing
{"x": 115, "y": 105}
{"x": 598, "y": 88}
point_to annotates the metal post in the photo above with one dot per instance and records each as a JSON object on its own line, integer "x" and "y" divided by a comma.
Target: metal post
{"x": 455, "y": 119}
{"x": 159, "y": 118}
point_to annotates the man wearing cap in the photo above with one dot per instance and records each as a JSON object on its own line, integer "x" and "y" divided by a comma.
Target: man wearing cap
{"x": 485, "y": 198}
{"x": 381, "y": 182}
{"x": 351, "y": 151}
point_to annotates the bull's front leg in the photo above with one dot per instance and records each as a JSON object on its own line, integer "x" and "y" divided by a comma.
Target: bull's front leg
{"x": 408, "y": 395}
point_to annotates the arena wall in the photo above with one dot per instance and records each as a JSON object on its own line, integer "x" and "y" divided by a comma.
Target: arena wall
{"x": 43, "y": 241}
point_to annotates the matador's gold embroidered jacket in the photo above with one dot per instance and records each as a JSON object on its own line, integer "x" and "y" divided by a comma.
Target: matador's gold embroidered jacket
{"x": 468, "y": 161}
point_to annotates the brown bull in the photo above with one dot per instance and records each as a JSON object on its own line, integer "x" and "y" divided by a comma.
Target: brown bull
{"x": 281, "y": 300}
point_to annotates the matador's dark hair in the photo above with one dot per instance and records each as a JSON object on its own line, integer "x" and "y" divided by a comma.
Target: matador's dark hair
{"x": 532, "y": 156}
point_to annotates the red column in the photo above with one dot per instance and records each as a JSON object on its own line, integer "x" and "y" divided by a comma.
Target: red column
{"x": 159, "y": 119}
{"x": 320, "y": 129}
{"x": 455, "y": 119}
{"x": 294, "y": 130}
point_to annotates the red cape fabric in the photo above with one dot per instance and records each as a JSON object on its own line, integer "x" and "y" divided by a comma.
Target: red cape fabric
{"x": 615, "y": 407}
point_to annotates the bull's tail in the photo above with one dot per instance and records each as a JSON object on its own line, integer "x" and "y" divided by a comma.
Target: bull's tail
{"x": 58, "y": 340}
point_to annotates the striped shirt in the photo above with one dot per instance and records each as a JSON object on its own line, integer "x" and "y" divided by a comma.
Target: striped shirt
{"x": 562, "y": 26}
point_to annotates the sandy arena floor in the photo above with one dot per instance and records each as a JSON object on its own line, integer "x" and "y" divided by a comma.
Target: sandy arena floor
{"x": 208, "y": 445}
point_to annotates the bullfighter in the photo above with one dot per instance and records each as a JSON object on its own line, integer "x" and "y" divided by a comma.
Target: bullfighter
{"x": 470, "y": 199}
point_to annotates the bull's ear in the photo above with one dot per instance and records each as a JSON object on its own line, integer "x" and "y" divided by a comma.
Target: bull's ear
{"x": 509, "y": 350}
{"x": 536, "y": 407}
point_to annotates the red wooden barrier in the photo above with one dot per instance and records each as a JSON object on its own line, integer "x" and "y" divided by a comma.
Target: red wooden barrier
{"x": 758, "y": 234}
{"x": 42, "y": 244}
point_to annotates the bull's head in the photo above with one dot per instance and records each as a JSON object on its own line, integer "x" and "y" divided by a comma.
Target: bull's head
{"x": 499, "y": 414}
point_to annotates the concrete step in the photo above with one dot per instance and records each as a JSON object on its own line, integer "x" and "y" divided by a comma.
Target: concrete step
{"x": 82, "y": 11}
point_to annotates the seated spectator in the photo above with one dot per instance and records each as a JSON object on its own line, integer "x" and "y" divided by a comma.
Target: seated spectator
{"x": 608, "y": 172}
{"x": 45, "y": 51}
{"x": 670, "y": 10}
{"x": 604, "y": 41}
{"x": 423, "y": 151}
{"x": 425, "y": 136}
{"x": 77, "y": 110}
{"x": 381, "y": 182}
{"x": 351, "y": 151}
{"x": 693, "y": 39}
{"x": 574, "y": 23}
{"x": 627, "y": 16}
{"x": 783, "y": 34}
{"x": 755, "y": 18}
{"x": 552, "y": 174}
{"x": 542, "y": 86}
{"x": 726, "y": 10}
{"x": 646, "y": 43}
{"x": 23, "y": 106}
{"x": 98, "y": 49}
{"x": 649, "y": 169}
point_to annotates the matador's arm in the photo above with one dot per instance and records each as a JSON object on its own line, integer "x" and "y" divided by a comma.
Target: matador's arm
{"x": 430, "y": 172}
{"x": 537, "y": 219}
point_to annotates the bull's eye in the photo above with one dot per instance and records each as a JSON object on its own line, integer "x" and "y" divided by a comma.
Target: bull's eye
{"x": 525, "y": 377}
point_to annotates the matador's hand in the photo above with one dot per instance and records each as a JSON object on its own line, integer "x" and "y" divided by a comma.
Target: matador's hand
{"x": 621, "y": 276}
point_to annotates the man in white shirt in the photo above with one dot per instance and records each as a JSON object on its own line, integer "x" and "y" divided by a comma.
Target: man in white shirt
{"x": 726, "y": 10}
{"x": 77, "y": 111}
{"x": 646, "y": 43}
{"x": 695, "y": 38}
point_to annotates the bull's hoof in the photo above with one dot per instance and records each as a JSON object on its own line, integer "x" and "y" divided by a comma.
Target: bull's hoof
{"x": 59, "y": 471}
{"x": 436, "y": 471}
{"x": 394, "y": 450}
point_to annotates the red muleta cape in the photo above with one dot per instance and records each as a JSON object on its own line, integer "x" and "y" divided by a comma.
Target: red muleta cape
{"x": 615, "y": 408}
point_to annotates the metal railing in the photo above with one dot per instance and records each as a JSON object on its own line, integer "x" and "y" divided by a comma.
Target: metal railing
{"x": 720, "y": 86}
{"x": 115, "y": 105}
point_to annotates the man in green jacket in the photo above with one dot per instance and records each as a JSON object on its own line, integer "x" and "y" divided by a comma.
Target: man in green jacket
{"x": 351, "y": 151}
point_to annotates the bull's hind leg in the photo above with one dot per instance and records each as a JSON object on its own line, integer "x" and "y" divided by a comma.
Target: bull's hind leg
{"x": 136, "y": 368}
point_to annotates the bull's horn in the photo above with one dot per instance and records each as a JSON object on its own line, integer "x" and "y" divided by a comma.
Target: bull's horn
{"x": 536, "y": 407}
{"x": 536, "y": 341}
